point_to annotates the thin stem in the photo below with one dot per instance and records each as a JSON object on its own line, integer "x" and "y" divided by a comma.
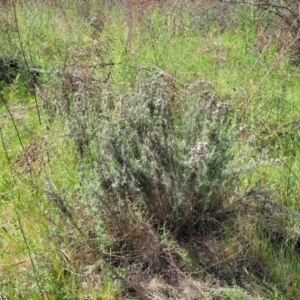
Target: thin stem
{"x": 26, "y": 63}
{"x": 12, "y": 119}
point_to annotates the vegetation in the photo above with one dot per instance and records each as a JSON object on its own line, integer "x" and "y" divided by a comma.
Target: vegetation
{"x": 149, "y": 150}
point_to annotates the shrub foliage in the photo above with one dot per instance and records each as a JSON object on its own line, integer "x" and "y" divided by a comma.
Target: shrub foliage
{"x": 158, "y": 151}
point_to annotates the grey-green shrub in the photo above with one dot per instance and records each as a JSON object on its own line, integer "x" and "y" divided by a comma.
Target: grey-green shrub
{"x": 162, "y": 156}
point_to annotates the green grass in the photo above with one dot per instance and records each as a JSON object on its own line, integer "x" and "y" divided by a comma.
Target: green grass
{"x": 56, "y": 241}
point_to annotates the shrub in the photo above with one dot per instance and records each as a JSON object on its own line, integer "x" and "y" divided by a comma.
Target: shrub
{"x": 155, "y": 155}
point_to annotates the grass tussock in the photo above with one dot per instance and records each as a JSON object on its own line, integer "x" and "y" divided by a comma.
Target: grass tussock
{"x": 149, "y": 150}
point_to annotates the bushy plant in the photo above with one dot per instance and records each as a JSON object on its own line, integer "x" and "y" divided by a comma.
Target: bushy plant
{"x": 158, "y": 151}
